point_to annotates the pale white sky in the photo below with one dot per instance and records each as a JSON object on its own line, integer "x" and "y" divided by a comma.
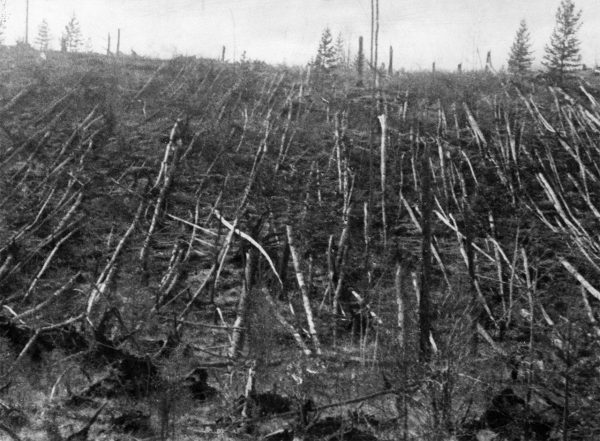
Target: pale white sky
{"x": 421, "y": 31}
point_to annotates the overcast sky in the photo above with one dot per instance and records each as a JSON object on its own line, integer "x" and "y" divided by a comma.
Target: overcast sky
{"x": 421, "y": 31}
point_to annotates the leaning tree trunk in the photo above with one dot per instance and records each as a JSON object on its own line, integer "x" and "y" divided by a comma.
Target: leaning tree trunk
{"x": 303, "y": 290}
{"x": 424, "y": 303}
{"x": 237, "y": 339}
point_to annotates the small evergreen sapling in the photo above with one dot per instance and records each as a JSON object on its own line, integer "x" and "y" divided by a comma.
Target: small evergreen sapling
{"x": 520, "y": 58}
{"x": 562, "y": 54}
{"x": 72, "y": 35}
{"x": 326, "y": 59}
{"x": 340, "y": 54}
{"x": 42, "y": 41}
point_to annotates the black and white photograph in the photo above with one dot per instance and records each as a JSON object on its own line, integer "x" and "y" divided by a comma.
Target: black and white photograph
{"x": 300, "y": 220}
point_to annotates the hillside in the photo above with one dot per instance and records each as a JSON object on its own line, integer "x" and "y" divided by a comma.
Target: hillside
{"x": 199, "y": 250}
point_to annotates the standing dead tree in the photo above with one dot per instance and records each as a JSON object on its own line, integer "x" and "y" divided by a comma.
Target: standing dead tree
{"x": 27, "y": 22}
{"x": 383, "y": 122}
{"x": 372, "y": 32}
{"x": 376, "y": 47}
{"x": 360, "y": 61}
{"x": 118, "y": 49}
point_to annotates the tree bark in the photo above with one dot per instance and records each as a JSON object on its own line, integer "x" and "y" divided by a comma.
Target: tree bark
{"x": 376, "y": 48}
{"x": 169, "y": 175}
{"x": 383, "y": 122}
{"x": 424, "y": 301}
{"x": 303, "y": 290}
{"x": 286, "y": 324}
{"x": 237, "y": 340}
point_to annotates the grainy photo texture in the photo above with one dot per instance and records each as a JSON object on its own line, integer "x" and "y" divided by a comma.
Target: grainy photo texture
{"x": 300, "y": 220}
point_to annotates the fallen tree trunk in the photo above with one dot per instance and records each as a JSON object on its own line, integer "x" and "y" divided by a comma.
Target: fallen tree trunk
{"x": 67, "y": 338}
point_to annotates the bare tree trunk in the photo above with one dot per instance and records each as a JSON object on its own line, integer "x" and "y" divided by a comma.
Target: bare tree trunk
{"x": 45, "y": 265}
{"x": 303, "y": 290}
{"x": 402, "y": 336}
{"x": 286, "y": 324}
{"x": 237, "y": 339}
{"x": 372, "y": 63}
{"x": 249, "y": 391}
{"x": 338, "y": 153}
{"x": 360, "y": 61}
{"x": 282, "y": 265}
{"x": 376, "y": 53}
{"x": 424, "y": 303}
{"x": 6, "y": 266}
{"x": 402, "y": 307}
{"x": 567, "y": 386}
{"x": 107, "y": 275}
{"x": 108, "y": 45}
{"x": 27, "y": 22}
{"x": 372, "y": 32}
{"x": 215, "y": 270}
{"x": 488, "y": 62}
{"x": 475, "y": 308}
{"x": 383, "y": 122}
{"x": 342, "y": 247}
{"x": 367, "y": 241}
{"x": 530, "y": 298}
{"x": 391, "y": 62}
{"x": 118, "y": 50}
{"x": 169, "y": 175}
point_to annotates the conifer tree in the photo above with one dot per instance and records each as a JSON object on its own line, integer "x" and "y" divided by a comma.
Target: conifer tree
{"x": 520, "y": 58}
{"x": 326, "y": 56}
{"x": 72, "y": 35}
{"x": 42, "y": 40}
{"x": 340, "y": 53}
{"x": 562, "y": 54}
